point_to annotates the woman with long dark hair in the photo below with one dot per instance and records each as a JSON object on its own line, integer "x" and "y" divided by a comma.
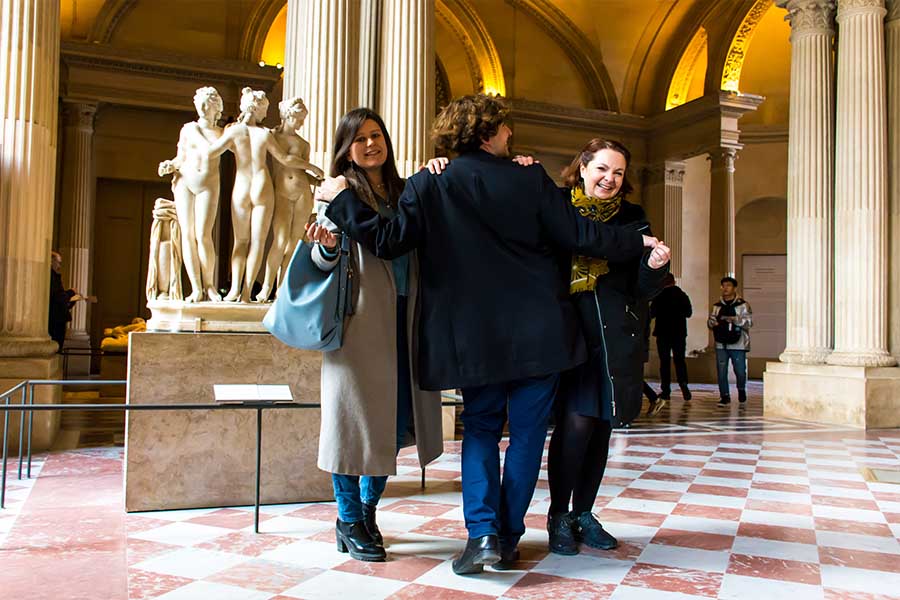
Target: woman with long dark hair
{"x": 371, "y": 403}
{"x": 612, "y": 299}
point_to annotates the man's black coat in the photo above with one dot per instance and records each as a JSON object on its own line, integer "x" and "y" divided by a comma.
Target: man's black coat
{"x": 494, "y": 303}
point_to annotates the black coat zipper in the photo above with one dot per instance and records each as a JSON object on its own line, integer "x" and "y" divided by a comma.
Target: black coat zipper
{"x": 612, "y": 385}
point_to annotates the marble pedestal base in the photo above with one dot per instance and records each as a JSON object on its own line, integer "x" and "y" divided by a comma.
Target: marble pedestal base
{"x": 855, "y": 396}
{"x": 193, "y": 459}
{"x": 177, "y": 315}
{"x": 77, "y": 366}
{"x": 46, "y": 424}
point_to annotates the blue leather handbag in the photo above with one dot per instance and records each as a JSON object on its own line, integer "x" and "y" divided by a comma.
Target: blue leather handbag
{"x": 309, "y": 310}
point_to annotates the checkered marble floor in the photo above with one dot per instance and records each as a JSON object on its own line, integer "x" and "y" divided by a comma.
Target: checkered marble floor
{"x": 728, "y": 505}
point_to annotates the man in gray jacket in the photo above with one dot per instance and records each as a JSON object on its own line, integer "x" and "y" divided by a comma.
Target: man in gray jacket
{"x": 730, "y": 321}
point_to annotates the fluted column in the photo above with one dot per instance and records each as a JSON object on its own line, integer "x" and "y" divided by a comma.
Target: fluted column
{"x": 29, "y": 62}
{"x": 406, "y": 89}
{"x": 673, "y": 212}
{"x": 322, "y": 67}
{"x": 77, "y": 214}
{"x": 892, "y": 63}
{"x": 861, "y": 210}
{"x": 369, "y": 51}
{"x": 810, "y": 194}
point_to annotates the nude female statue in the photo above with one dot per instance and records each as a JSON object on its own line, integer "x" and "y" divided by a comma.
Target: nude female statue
{"x": 253, "y": 196}
{"x": 293, "y": 195}
{"x": 195, "y": 185}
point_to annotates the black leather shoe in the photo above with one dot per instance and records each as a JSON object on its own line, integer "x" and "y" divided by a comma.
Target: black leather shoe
{"x": 685, "y": 392}
{"x": 724, "y": 401}
{"x": 665, "y": 396}
{"x": 561, "y": 536}
{"x": 371, "y": 525}
{"x": 481, "y": 551}
{"x": 589, "y": 531}
{"x": 742, "y": 396}
{"x": 508, "y": 558}
{"x": 355, "y": 539}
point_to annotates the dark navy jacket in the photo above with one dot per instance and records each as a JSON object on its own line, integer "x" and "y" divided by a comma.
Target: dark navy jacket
{"x": 494, "y": 305}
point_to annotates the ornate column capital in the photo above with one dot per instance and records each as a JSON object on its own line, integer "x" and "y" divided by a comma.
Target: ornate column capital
{"x": 809, "y": 16}
{"x": 80, "y": 115}
{"x": 851, "y": 8}
{"x": 893, "y": 8}
{"x": 675, "y": 173}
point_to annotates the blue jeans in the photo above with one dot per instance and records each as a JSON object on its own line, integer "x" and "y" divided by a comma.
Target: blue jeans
{"x": 351, "y": 491}
{"x": 738, "y": 359}
{"x": 489, "y": 505}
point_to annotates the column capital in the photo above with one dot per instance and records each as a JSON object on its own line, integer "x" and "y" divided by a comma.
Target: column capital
{"x": 893, "y": 8}
{"x": 852, "y": 8}
{"x": 675, "y": 173}
{"x": 809, "y": 16}
{"x": 723, "y": 158}
{"x": 80, "y": 115}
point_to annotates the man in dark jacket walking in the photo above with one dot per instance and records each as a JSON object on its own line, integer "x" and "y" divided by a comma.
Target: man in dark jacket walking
{"x": 671, "y": 309}
{"x": 495, "y": 319}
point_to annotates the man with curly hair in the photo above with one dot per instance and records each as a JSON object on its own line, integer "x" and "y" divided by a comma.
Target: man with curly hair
{"x": 495, "y": 319}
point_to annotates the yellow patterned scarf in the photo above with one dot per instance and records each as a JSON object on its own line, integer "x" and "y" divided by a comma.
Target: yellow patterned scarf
{"x": 586, "y": 269}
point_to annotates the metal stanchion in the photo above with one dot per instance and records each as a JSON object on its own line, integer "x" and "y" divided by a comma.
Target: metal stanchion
{"x": 5, "y": 442}
{"x": 30, "y": 426}
{"x": 258, "y": 465}
{"x": 22, "y": 434}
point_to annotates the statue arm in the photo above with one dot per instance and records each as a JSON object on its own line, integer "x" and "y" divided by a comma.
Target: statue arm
{"x": 222, "y": 144}
{"x": 173, "y": 165}
{"x": 292, "y": 161}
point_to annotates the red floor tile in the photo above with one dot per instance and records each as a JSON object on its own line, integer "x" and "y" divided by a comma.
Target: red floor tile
{"x": 790, "y": 508}
{"x": 407, "y": 568}
{"x": 672, "y": 579}
{"x": 444, "y": 528}
{"x": 229, "y": 518}
{"x": 774, "y": 568}
{"x": 842, "y": 525}
{"x": 417, "y": 507}
{"x": 538, "y": 586}
{"x": 780, "y": 534}
{"x": 415, "y": 591}
{"x": 693, "y": 539}
{"x": 859, "y": 559}
{"x": 842, "y": 502}
{"x": 632, "y": 517}
{"x": 717, "y": 490}
{"x": 726, "y": 474}
{"x": 144, "y": 585}
{"x": 708, "y": 512}
{"x": 642, "y": 494}
{"x": 246, "y": 543}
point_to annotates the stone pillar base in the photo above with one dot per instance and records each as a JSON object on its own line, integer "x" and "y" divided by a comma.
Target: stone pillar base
{"x": 46, "y": 424}
{"x": 193, "y": 459}
{"x": 858, "y": 396}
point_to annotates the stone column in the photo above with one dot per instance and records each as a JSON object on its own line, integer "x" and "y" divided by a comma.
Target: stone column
{"x": 673, "y": 210}
{"x": 810, "y": 195}
{"x": 721, "y": 219}
{"x": 861, "y": 210}
{"x": 322, "y": 67}
{"x": 77, "y": 211}
{"x": 892, "y": 56}
{"x": 29, "y": 70}
{"x": 406, "y": 96}
{"x": 369, "y": 51}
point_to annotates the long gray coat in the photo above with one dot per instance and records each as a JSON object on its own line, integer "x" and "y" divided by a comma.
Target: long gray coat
{"x": 359, "y": 381}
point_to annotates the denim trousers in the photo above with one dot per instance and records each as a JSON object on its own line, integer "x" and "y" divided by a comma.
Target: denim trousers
{"x": 351, "y": 491}
{"x": 492, "y": 505}
{"x": 738, "y": 360}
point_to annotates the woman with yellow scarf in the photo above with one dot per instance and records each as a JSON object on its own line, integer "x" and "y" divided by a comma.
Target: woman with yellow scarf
{"x": 612, "y": 299}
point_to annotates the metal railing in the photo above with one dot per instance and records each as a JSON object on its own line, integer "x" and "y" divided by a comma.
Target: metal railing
{"x": 28, "y": 405}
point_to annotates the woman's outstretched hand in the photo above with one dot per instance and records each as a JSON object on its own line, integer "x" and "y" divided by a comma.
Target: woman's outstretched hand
{"x": 525, "y": 161}
{"x": 320, "y": 235}
{"x": 659, "y": 256}
{"x": 330, "y": 188}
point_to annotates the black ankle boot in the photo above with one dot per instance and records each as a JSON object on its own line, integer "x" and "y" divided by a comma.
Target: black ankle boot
{"x": 685, "y": 392}
{"x": 355, "y": 539}
{"x": 742, "y": 396}
{"x": 589, "y": 531}
{"x": 560, "y": 535}
{"x": 371, "y": 525}
{"x": 481, "y": 551}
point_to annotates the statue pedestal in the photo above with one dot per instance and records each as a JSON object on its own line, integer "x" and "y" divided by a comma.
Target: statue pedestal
{"x": 177, "y": 315}
{"x": 194, "y": 459}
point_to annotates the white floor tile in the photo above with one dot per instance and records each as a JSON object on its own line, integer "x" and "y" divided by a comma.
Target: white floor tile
{"x": 204, "y": 589}
{"x": 675, "y": 470}
{"x": 775, "y": 549}
{"x": 490, "y": 582}
{"x": 307, "y": 553}
{"x": 840, "y": 492}
{"x": 640, "y": 505}
{"x": 700, "y": 524}
{"x": 777, "y": 518}
{"x": 336, "y": 585}
{"x": 182, "y": 534}
{"x": 714, "y": 561}
{"x": 855, "y": 541}
{"x": 585, "y": 566}
{"x": 713, "y": 500}
{"x": 296, "y": 527}
{"x": 773, "y": 478}
{"x": 860, "y": 580}
{"x": 776, "y": 496}
{"x": 724, "y": 481}
{"x": 738, "y": 587}
{"x": 848, "y": 514}
{"x": 193, "y": 563}
{"x": 636, "y": 593}
{"x": 655, "y": 484}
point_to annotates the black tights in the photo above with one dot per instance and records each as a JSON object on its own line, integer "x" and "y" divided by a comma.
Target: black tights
{"x": 579, "y": 448}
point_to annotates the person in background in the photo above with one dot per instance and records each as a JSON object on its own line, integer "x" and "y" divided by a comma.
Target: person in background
{"x": 671, "y": 309}
{"x": 61, "y": 302}
{"x": 730, "y": 321}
